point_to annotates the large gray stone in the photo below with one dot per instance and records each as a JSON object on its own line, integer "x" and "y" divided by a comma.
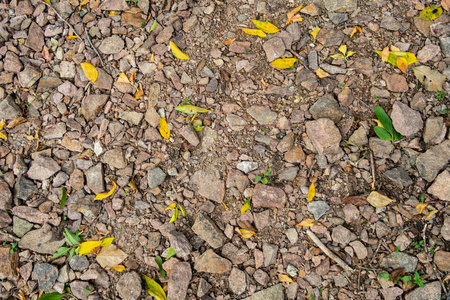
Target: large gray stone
{"x": 207, "y": 230}
{"x": 273, "y": 293}
{"x": 433, "y": 160}
{"x": 326, "y": 107}
{"x": 155, "y": 177}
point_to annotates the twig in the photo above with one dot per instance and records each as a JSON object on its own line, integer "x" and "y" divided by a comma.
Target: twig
{"x": 327, "y": 251}
{"x": 75, "y": 32}
{"x": 373, "y": 170}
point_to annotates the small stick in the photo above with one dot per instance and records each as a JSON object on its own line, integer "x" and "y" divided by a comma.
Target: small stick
{"x": 373, "y": 170}
{"x": 92, "y": 46}
{"x": 327, "y": 251}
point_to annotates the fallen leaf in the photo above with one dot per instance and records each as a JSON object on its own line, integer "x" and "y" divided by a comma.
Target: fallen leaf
{"x": 107, "y": 241}
{"x": 306, "y": 223}
{"x": 123, "y": 78}
{"x": 152, "y": 58}
{"x": 431, "y": 79}
{"x": 378, "y": 200}
{"x": 315, "y": 32}
{"x": 118, "y": 268}
{"x": 170, "y": 253}
{"x": 16, "y": 122}
{"x": 229, "y": 42}
{"x": 110, "y": 256}
{"x": 62, "y": 202}
{"x": 183, "y": 212}
{"x": 257, "y": 32}
{"x": 55, "y": 295}
{"x": 132, "y": 185}
{"x": 171, "y": 206}
{"x": 445, "y": 4}
{"x": 159, "y": 262}
{"x": 174, "y": 215}
{"x": 284, "y": 63}
{"x": 311, "y": 192}
{"x": 356, "y": 200}
{"x": 292, "y": 13}
{"x": 90, "y": 71}
{"x": 409, "y": 57}
{"x": 246, "y": 206}
{"x": 421, "y": 206}
{"x": 86, "y": 154}
{"x": 430, "y": 13}
{"x": 321, "y": 73}
{"x": 84, "y": 2}
{"x": 71, "y": 37}
{"x": 285, "y": 278}
{"x": 139, "y": 92}
{"x": 112, "y": 13}
{"x": 267, "y": 27}
{"x": 355, "y": 30}
{"x": 102, "y": 196}
{"x": 385, "y": 54}
{"x": 246, "y": 234}
{"x": 154, "y": 25}
{"x": 135, "y": 17}
{"x": 47, "y": 1}
{"x": 164, "y": 128}
{"x": 431, "y": 214}
{"x": 344, "y": 54}
{"x": 87, "y": 247}
{"x": 395, "y": 49}
{"x": 2, "y": 124}
{"x": 402, "y": 64}
{"x": 191, "y": 109}
{"x": 154, "y": 289}
{"x": 177, "y": 52}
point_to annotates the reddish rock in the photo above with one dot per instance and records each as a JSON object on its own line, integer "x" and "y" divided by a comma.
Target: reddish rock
{"x": 268, "y": 196}
{"x": 35, "y": 38}
{"x": 395, "y": 82}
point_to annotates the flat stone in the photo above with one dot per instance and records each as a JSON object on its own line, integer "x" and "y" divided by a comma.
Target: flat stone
{"x": 129, "y": 286}
{"x": 312, "y": 10}
{"x": 332, "y": 69}
{"x": 318, "y": 208}
{"x": 8, "y": 263}
{"x": 78, "y": 289}
{"x": 236, "y": 123}
{"x": 119, "y": 5}
{"x": 21, "y": 226}
{"x": 92, "y": 105}
{"x": 79, "y": 263}
{"x": 237, "y": 281}
{"x": 25, "y": 188}
{"x": 442, "y": 260}
{"x": 72, "y": 145}
{"x": 46, "y": 275}
{"x": 30, "y": 214}
{"x": 5, "y": 196}
{"x": 9, "y": 110}
{"x": 190, "y": 135}
{"x": 399, "y": 176}
{"x": 114, "y": 158}
{"x": 346, "y": 97}
{"x": 390, "y": 23}
{"x": 262, "y": 114}
{"x": 247, "y": 166}
{"x": 48, "y": 83}
{"x": 406, "y": 121}
{"x": 236, "y": 179}
{"x": 395, "y": 82}
{"x": 210, "y": 262}
{"x": 274, "y": 48}
{"x": 340, "y": 6}
{"x": 212, "y": 189}
{"x": 95, "y": 179}
{"x": 380, "y": 148}
{"x": 359, "y": 137}
{"x": 428, "y": 52}
{"x": 430, "y": 291}
{"x": 338, "y": 18}
{"x": 208, "y": 231}
{"x": 111, "y": 45}
{"x": 360, "y": 249}
{"x": 330, "y": 38}
{"x": 180, "y": 243}
{"x": 342, "y": 235}
{"x": 295, "y": 155}
{"x": 179, "y": 280}
{"x": 29, "y": 76}
{"x": 445, "y": 45}
{"x": 435, "y": 130}
{"x": 275, "y": 292}
{"x": 56, "y": 131}
{"x": 203, "y": 288}
{"x": 433, "y": 160}
{"x": 397, "y": 260}
{"x": 441, "y": 186}
{"x": 270, "y": 252}
{"x": 288, "y": 174}
{"x": 43, "y": 168}
{"x": 326, "y": 107}
{"x": 268, "y": 196}
{"x": 35, "y": 38}
{"x": 12, "y": 63}
{"x": 156, "y": 177}
{"x": 164, "y": 35}
{"x": 325, "y": 136}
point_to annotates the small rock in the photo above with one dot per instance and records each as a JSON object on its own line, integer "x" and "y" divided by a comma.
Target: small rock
{"x": 207, "y": 230}
{"x": 397, "y": 260}
{"x": 435, "y": 130}
{"x": 380, "y": 148}
{"x": 274, "y": 292}
{"x": 333, "y": 69}
{"x": 268, "y": 196}
{"x": 295, "y": 155}
{"x": 92, "y": 105}
{"x": 325, "y": 136}
{"x": 210, "y": 262}
{"x": 292, "y": 235}
{"x": 330, "y": 38}
{"x": 119, "y": 5}
{"x": 342, "y": 235}
{"x": 21, "y": 226}
{"x": 8, "y": 264}
{"x": 156, "y": 177}
{"x": 406, "y": 120}
{"x": 442, "y": 260}
{"x": 262, "y": 114}
{"x": 441, "y": 186}
{"x": 340, "y": 6}
{"x": 262, "y": 219}
{"x": 338, "y": 18}
{"x": 9, "y": 109}
{"x": 43, "y": 168}
{"x": 360, "y": 249}
{"x": 35, "y": 38}
{"x": 433, "y": 160}
{"x": 180, "y": 243}
{"x": 340, "y": 280}
{"x": 419, "y": 101}
{"x": 288, "y": 174}
{"x": 445, "y": 230}
{"x": 129, "y": 286}
{"x": 274, "y": 48}
{"x": 359, "y": 137}
{"x": 95, "y": 179}
{"x": 190, "y": 135}
{"x": 46, "y": 275}
{"x": 431, "y": 291}
{"x": 111, "y": 45}
{"x": 428, "y": 52}
{"x": 318, "y": 208}
{"x": 237, "y": 281}
{"x": 399, "y": 176}
{"x": 247, "y": 166}
{"x": 351, "y": 213}
{"x": 203, "y": 288}
{"x": 236, "y": 123}
{"x": 114, "y": 158}
{"x": 179, "y": 280}
{"x": 25, "y": 188}
{"x": 294, "y": 30}
{"x": 396, "y": 82}
{"x": 78, "y": 289}
{"x": 132, "y": 117}
{"x": 445, "y": 45}
{"x": 212, "y": 188}
{"x": 270, "y": 254}
{"x": 390, "y": 23}
{"x": 5, "y": 196}
{"x": 346, "y": 97}
{"x": 165, "y": 35}
{"x": 312, "y": 60}
{"x": 261, "y": 277}
{"x": 12, "y": 63}
{"x": 79, "y": 263}
{"x": 391, "y": 293}
{"x": 326, "y": 107}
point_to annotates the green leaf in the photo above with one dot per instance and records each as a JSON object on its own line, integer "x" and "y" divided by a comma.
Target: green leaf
{"x": 71, "y": 238}
{"x": 397, "y": 136}
{"x": 159, "y": 262}
{"x": 52, "y": 296}
{"x": 406, "y": 278}
{"x": 416, "y": 276}
{"x": 258, "y": 178}
{"x": 154, "y": 25}
{"x": 62, "y": 202}
{"x": 154, "y": 289}
{"x": 382, "y": 133}
{"x": 385, "y": 275}
{"x": 170, "y": 252}
{"x": 267, "y": 173}
{"x": 71, "y": 253}
{"x": 384, "y": 119}
{"x": 265, "y": 180}
{"x": 61, "y": 251}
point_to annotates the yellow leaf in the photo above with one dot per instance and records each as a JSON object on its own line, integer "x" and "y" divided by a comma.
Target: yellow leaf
{"x": 102, "y": 196}
{"x": 337, "y": 56}
{"x": 284, "y": 63}
{"x": 395, "y": 49}
{"x": 191, "y": 109}
{"x": 174, "y": 215}
{"x": 257, "y": 32}
{"x": 321, "y": 73}
{"x": 107, "y": 241}
{"x": 246, "y": 206}
{"x": 311, "y": 192}
{"x": 2, "y": 124}
{"x": 430, "y": 13}
{"x": 84, "y": 2}
{"x": 402, "y": 64}
{"x": 393, "y": 55}
{"x": 431, "y": 213}
{"x": 110, "y": 256}
{"x": 246, "y": 234}
{"x": 285, "y": 278}
{"x": 177, "y": 52}
{"x": 385, "y": 54}
{"x": 3, "y": 136}
{"x": 154, "y": 289}
{"x": 355, "y": 30}
{"x": 315, "y": 32}
{"x": 139, "y": 92}
{"x": 292, "y": 13}
{"x": 171, "y": 206}
{"x": 297, "y": 18}
{"x": 229, "y": 42}
{"x": 343, "y": 49}
{"x": 118, "y": 268}
{"x": 306, "y": 223}
{"x": 350, "y": 53}
{"x": 132, "y": 77}
{"x": 267, "y": 27}
{"x": 164, "y": 128}
{"x": 378, "y": 123}
{"x": 71, "y": 37}
{"x": 47, "y": 1}
{"x": 90, "y": 71}
{"x": 152, "y": 58}
{"x": 16, "y": 121}
{"x": 112, "y": 13}
{"x": 421, "y": 206}
{"x": 378, "y": 200}
{"x": 123, "y": 78}
{"x": 87, "y": 247}
{"x": 183, "y": 212}
{"x": 132, "y": 185}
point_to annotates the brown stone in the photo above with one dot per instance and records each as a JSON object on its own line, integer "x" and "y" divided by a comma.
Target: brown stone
{"x": 35, "y": 38}
{"x": 92, "y": 105}
{"x": 268, "y": 196}
{"x": 395, "y": 82}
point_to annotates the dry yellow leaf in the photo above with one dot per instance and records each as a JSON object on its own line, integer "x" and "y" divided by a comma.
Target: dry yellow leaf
{"x": 84, "y": 2}
{"x": 47, "y": 1}
{"x": 87, "y": 247}
{"x": 311, "y": 192}
{"x": 246, "y": 206}
{"x": 246, "y": 234}
{"x": 402, "y": 64}
{"x": 306, "y": 223}
{"x": 164, "y": 128}
{"x": 257, "y": 32}
{"x": 292, "y": 13}
{"x": 110, "y": 256}
{"x": 112, "y": 13}
{"x": 132, "y": 77}
{"x": 315, "y": 32}
{"x": 431, "y": 214}
{"x": 171, "y": 206}
{"x": 267, "y": 27}
{"x": 285, "y": 278}
{"x": 152, "y": 58}
{"x": 284, "y": 63}
{"x": 229, "y": 42}
{"x": 2, "y": 124}
{"x": 71, "y": 37}
{"x": 132, "y": 185}
{"x": 139, "y": 92}
{"x": 385, "y": 54}
{"x": 90, "y": 71}
{"x": 123, "y": 78}
{"x": 102, "y": 196}
{"x": 395, "y": 49}
{"x": 118, "y": 268}
{"x": 321, "y": 73}
{"x": 3, "y": 136}
{"x": 16, "y": 121}
{"x": 378, "y": 200}
{"x": 420, "y": 207}
{"x": 177, "y": 52}
{"x": 107, "y": 241}
{"x": 355, "y": 30}
{"x": 174, "y": 215}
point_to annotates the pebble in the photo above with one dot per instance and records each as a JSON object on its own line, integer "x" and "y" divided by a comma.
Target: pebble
{"x": 78, "y": 289}
{"x": 236, "y": 123}
{"x": 428, "y": 52}
{"x": 268, "y": 196}
{"x": 318, "y": 208}
{"x": 433, "y": 160}
{"x": 8, "y": 263}
{"x": 179, "y": 280}
{"x": 333, "y": 69}
{"x": 79, "y": 263}
{"x": 360, "y": 249}
{"x": 203, "y": 288}
{"x": 212, "y": 188}
{"x": 247, "y": 166}
{"x": 325, "y": 136}
{"x": 406, "y": 121}
{"x": 155, "y": 177}
{"x": 445, "y": 230}
{"x": 442, "y": 260}
{"x": 399, "y": 177}
{"x": 262, "y": 114}
{"x": 95, "y": 179}
{"x": 396, "y": 260}
{"x": 46, "y": 275}
{"x": 380, "y": 148}
{"x": 292, "y": 235}
{"x": 274, "y": 48}
{"x": 9, "y": 109}
{"x": 6, "y": 201}
{"x": 441, "y": 186}
{"x": 43, "y": 168}
{"x": 35, "y": 38}
{"x": 274, "y": 292}
{"x": 435, "y": 130}
{"x": 180, "y": 243}
{"x": 92, "y": 105}
{"x": 210, "y": 262}
{"x": 342, "y": 235}
{"x": 208, "y": 231}
{"x": 359, "y": 137}
{"x": 431, "y": 291}
{"x": 21, "y": 226}
{"x": 270, "y": 252}
{"x": 340, "y": 6}
{"x": 129, "y": 286}
{"x": 326, "y": 107}
{"x": 395, "y": 82}
{"x": 237, "y": 281}
{"x": 112, "y": 45}
{"x": 390, "y": 23}
{"x": 288, "y": 174}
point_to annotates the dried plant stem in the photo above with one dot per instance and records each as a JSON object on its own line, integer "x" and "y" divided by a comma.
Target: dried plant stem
{"x": 327, "y": 251}
{"x": 373, "y": 170}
